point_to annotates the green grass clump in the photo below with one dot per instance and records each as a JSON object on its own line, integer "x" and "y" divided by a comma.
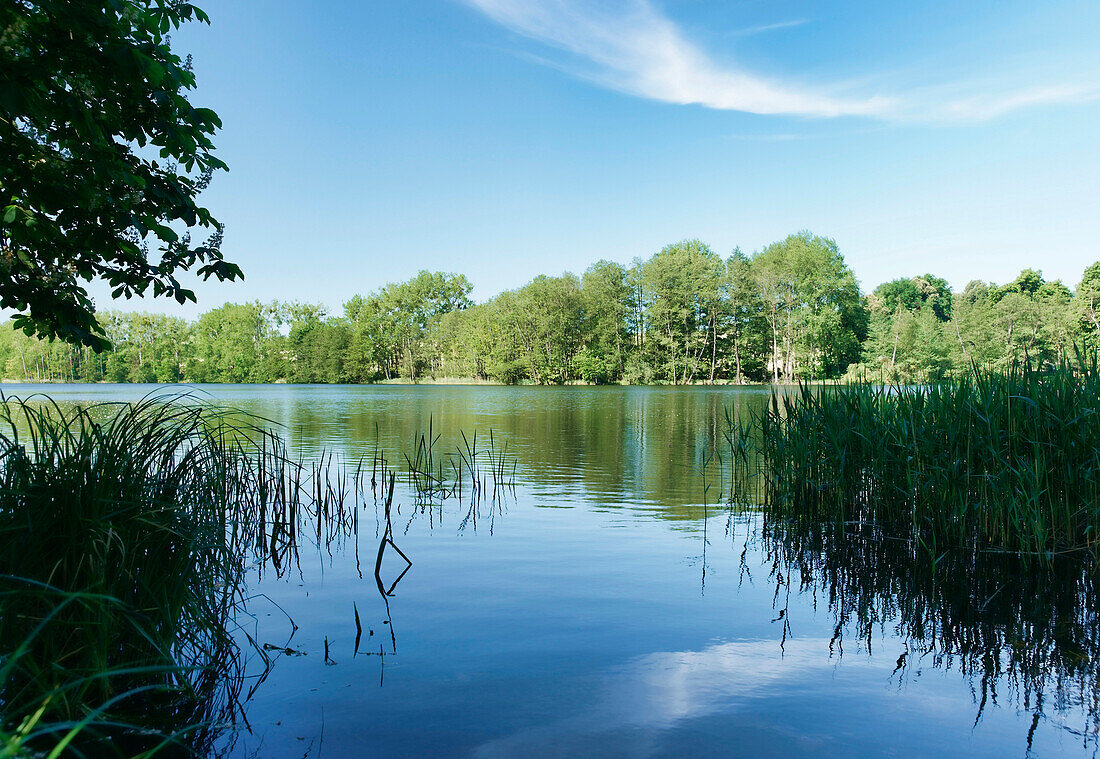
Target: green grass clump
{"x": 121, "y": 529}
{"x": 1004, "y": 460}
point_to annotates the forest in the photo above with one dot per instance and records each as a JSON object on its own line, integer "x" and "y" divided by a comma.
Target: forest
{"x": 790, "y": 312}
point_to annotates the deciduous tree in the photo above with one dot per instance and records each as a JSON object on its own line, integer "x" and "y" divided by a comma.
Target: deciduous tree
{"x": 102, "y": 159}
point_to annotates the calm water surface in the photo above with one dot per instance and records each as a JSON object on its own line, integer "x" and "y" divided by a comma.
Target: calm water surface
{"x": 602, "y": 608}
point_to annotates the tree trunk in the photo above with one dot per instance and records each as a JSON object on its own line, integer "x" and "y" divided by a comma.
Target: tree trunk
{"x": 775, "y": 345}
{"x": 958, "y": 334}
{"x": 737, "y": 351}
{"x": 788, "y": 340}
{"x": 897, "y": 336}
{"x": 689, "y": 370}
{"x": 713, "y": 347}
{"x": 672, "y": 351}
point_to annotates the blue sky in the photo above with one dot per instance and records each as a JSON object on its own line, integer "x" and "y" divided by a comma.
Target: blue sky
{"x": 509, "y": 138}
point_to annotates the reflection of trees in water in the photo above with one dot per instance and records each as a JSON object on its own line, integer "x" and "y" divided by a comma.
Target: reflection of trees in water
{"x": 609, "y": 445}
{"x": 1029, "y": 637}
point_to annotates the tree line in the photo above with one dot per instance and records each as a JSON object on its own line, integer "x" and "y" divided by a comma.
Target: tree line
{"x": 791, "y": 311}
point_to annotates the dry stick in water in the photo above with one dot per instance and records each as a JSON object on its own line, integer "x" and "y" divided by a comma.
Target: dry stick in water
{"x": 358, "y": 630}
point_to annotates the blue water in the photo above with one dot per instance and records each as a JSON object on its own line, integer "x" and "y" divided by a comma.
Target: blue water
{"x": 603, "y": 606}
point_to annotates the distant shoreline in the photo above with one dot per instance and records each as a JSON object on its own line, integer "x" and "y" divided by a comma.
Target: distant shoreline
{"x": 443, "y": 382}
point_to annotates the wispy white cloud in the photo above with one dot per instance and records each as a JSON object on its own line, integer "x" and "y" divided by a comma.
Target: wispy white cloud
{"x": 751, "y": 30}
{"x": 988, "y": 106}
{"x": 629, "y": 46}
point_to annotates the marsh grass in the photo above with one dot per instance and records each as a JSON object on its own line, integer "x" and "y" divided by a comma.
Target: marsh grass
{"x": 1003, "y": 460}
{"x": 126, "y": 531}
{"x": 121, "y": 529}
{"x": 486, "y": 472}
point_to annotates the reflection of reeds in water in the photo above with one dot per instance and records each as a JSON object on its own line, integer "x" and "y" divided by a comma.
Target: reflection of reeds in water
{"x": 964, "y": 516}
{"x": 1027, "y": 640}
{"x": 125, "y": 534}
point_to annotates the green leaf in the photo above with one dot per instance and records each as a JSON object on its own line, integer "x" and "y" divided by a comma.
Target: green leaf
{"x": 155, "y": 73}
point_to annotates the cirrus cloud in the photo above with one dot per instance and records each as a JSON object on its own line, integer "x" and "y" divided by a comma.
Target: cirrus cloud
{"x": 629, "y": 46}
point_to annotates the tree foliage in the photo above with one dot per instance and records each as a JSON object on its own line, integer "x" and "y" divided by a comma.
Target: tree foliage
{"x": 791, "y": 311}
{"x": 102, "y": 159}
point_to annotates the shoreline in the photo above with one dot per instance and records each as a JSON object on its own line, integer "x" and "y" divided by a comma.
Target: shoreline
{"x": 448, "y": 381}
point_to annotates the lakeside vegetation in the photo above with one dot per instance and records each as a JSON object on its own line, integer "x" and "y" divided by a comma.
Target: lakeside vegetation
{"x": 960, "y": 516}
{"x": 790, "y": 312}
{"x": 126, "y": 534}
{"x": 122, "y": 537}
{"x": 974, "y": 478}
{"x": 1002, "y": 460}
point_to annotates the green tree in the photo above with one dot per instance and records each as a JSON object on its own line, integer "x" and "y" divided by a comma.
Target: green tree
{"x": 1059, "y": 328}
{"x": 930, "y": 354}
{"x": 935, "y": 292}
{"x": 318, "y": 351}
{"x": 897, "y": 309}
{"x": 740, "y": 315}
{"x": 102, "y": 158}
{"x": 1027, "y": 283}
{"x": 396, "y": 324}
{"x": 546, "y": 318}
{"x": 1088, "y": 300}
{"x": 606, "y": 296}
{"x": 973, "y": 323}
{"x": 236, "y": 343}
{"x": 813, "y": 307}
{"x": 146, "y": 347}
{"x": 681, "y": 287}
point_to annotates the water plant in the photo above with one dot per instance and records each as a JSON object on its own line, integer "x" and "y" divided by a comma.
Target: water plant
{"x": 1006, "y": 460}
{"x": 126, "y": 531}
{"x": 120, "y": 530}
{"x": 434, "y": 477}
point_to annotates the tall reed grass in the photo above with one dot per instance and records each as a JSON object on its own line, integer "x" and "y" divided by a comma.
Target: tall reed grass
{"x": 125, "y": 534}
{"x": 121, "y": 529}
{"x": 1004, "y": 460}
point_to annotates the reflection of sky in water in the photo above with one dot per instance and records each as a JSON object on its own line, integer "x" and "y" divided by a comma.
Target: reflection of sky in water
{"x": 653, "y": 693}
{"x": 576, "y": 631}
{"x": 748, "y": 698}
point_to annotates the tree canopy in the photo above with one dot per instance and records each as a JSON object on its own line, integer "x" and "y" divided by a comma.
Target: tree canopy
{"x": 791, "y": 311}
{"x": 102, "y": 159}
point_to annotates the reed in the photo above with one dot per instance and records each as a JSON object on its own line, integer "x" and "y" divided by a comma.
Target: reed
{"x": 1003, "y": 460}
{"x": 486, "y": 472}
{"x": 121, "y": 529}
{"x": 125, "y": 534}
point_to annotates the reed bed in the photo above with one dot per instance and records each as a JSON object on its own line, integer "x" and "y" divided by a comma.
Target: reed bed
{"x": 126, "y": 531}
{"x": 1003, "y": 460}
{"x": 484, "y": 472}
{"x": 120, "y": 569}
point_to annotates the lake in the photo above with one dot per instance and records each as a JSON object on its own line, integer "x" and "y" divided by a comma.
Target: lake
{"x": 604, "y": 600}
